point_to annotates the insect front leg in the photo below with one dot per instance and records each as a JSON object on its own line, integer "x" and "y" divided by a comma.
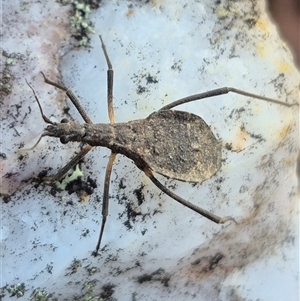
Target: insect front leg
{"x": 74, "y": 161}
{"x": 72, "y": 97}
{"x": 213, "y": 217}
{"x": 76, "y": 158}
{"x": 110, "y": 82}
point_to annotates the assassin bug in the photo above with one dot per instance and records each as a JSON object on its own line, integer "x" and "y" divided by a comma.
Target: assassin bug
{"x": 176, "y": 144}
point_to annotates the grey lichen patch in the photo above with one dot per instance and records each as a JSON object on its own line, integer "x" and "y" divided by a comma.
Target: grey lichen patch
{"x": 64, "y": 2}
{"x": 14, "y": 290}
{"x": 88, "y": 291}
{"x": 159, "y": 275}
{"x": 92, "y": 270}
{"x": 69, "y": 178}
{"x": 89, "y": 285}
{"x": 88, "y": 297}
{"x": 72, "y": 269}
{"x": 89, "y": 294}
{"x": 24, "y": 6}
{"x": 73, "y": 182}
{"x": 80, "y": 23}
{"x": 41, "y": 295}
{"x": 8, "y": 60}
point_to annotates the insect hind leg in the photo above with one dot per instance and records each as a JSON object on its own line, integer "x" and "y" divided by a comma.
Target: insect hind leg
{"x": 213, "y": 217}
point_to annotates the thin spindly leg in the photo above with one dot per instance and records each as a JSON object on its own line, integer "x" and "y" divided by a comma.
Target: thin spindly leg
{"x": 110, "y": 83}
{"x": 203, "y": 212}
{"x": 222, "y": 91}
{"x": 72, "y": 97}
{"x": 105, "y": 199}
{"x": 73, "y": 161}
{"x": 84, "y": 151}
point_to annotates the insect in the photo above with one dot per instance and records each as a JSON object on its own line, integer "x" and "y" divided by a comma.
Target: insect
{"x": 176, "y": 144}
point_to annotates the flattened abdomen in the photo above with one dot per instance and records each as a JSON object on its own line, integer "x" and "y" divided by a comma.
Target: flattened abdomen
{"x": 176, "y": 144}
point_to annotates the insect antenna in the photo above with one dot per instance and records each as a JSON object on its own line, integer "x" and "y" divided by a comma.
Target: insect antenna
{"x": 46, "y": 119}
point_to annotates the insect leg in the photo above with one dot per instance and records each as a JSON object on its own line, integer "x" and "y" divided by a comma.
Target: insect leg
{"x": 73, "y": 161}
{"x": 72, "y": 97}
{"x": 85, "y": 117}
{"x": 69, "y": 165}
{"x": 222, "y": 91}
{"x": 110, "y": 83}
{"x": 105, "y": 199}
{"x": 215, "y": 218}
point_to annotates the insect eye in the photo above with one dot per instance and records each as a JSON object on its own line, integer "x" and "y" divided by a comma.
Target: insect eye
{"x": 64, "y": 120}
{"x": 64, "y": 139}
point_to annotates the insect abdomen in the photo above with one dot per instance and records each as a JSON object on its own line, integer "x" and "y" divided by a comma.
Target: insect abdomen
{"x": 176, "y": 144}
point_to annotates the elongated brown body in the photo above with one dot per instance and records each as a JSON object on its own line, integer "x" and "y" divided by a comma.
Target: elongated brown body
{"x": 176, "y": 144}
